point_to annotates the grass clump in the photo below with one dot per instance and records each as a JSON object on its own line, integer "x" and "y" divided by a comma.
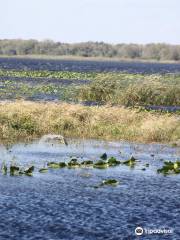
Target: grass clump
{"x": 133, "y": 89}
{"x": 22, "y": 120}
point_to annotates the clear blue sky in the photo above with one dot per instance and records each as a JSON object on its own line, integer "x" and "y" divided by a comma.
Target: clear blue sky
{"x": 114, "y": 21}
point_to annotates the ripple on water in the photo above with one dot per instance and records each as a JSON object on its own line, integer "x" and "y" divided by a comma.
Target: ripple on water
{"x": 62, "y": 204}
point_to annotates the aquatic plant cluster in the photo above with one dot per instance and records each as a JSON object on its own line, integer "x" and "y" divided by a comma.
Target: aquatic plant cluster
{"x": 103, "y": 163}
{"x": 15, "y": 170}
{"x": 48, "y": 74}
{"x": 105, "y": 87}
{"x": 170, "y": 168}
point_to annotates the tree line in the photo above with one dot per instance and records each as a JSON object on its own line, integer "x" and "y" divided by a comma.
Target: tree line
{"x": 158, "y": 51}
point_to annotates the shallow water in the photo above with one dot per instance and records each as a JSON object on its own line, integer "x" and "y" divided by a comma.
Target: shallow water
{"x": 63, "y": 203}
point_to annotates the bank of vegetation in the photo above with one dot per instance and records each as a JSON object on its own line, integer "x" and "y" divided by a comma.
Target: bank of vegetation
{"x": 22, "y": 120}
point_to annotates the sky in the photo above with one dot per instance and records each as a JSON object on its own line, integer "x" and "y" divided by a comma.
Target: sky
{"x": 111, "y": 21}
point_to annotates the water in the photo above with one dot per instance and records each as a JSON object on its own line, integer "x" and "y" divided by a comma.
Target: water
{"x": 88, "y": 66}
{"x": 63, "y": 204}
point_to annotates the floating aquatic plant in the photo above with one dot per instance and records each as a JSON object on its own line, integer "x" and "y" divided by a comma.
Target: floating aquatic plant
{"x": 29, "y": 171}
{"x": 131, "y": 162}
{"x": 74, "y": 163}
{"x": 62, "y": 164}
{"x": 170, "y": 168}
{"x": 101, "y": 164}
{"x": 113, "y": 161}
{"x": 14, "y": 170}
{"x": 112, "y": 182}
{"x": 53, "y": 165}
{"x": 87, "y": 163}
{"x": 43, "y": 170}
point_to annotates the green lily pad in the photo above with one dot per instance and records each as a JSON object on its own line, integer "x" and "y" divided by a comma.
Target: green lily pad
{"x": 43, "y": 170}
{"x": 14, "y": 170}
{"x": 101, "y": 164}
{"x": 62, "y": 164}
{"x": 87, "y": 163}
{"x": 53, "y": 165}
{"x": 131, "y": 162}
{"x": 74, "y": 163}
{"x": 112, "y": 182}
{"x": 113, "y": 161}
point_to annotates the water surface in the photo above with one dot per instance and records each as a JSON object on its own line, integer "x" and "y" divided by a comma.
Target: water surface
{"x": 88, "y": 66}
{"x": 63, "y": 203}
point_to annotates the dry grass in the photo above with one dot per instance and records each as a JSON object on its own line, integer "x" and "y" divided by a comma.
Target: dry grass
{"x": 22, "y": 120}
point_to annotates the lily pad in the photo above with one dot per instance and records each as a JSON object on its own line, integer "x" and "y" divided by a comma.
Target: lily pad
{"x": 87, "y": 163}
{"x": 14, "y": 170}
{"x": 43, "y": 170}
{"x": 74, "y": 163}
{"x": 101, "y": 164}
{"x": 170, "y": 168}
{"x": 131, "y": 162}
{"x": 53, "y": 165}
{"x": 112, "y": 182}
{"x": 29, "y": 171}
{"x": 113, "y": 161}
{"x": 62, "y": 164}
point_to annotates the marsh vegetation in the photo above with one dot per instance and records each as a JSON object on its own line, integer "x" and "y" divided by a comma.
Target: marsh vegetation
{"x": 112, "y": 88}
{"x": 22, "y": 120}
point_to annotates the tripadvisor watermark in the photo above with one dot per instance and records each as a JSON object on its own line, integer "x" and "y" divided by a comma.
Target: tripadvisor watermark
{"x": 139, "y": 231}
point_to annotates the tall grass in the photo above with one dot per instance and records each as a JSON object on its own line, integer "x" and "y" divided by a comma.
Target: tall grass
{"x": 23, "y": 120}
{"x": 133, "y": 90}
{"x": 112, "y": 87}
